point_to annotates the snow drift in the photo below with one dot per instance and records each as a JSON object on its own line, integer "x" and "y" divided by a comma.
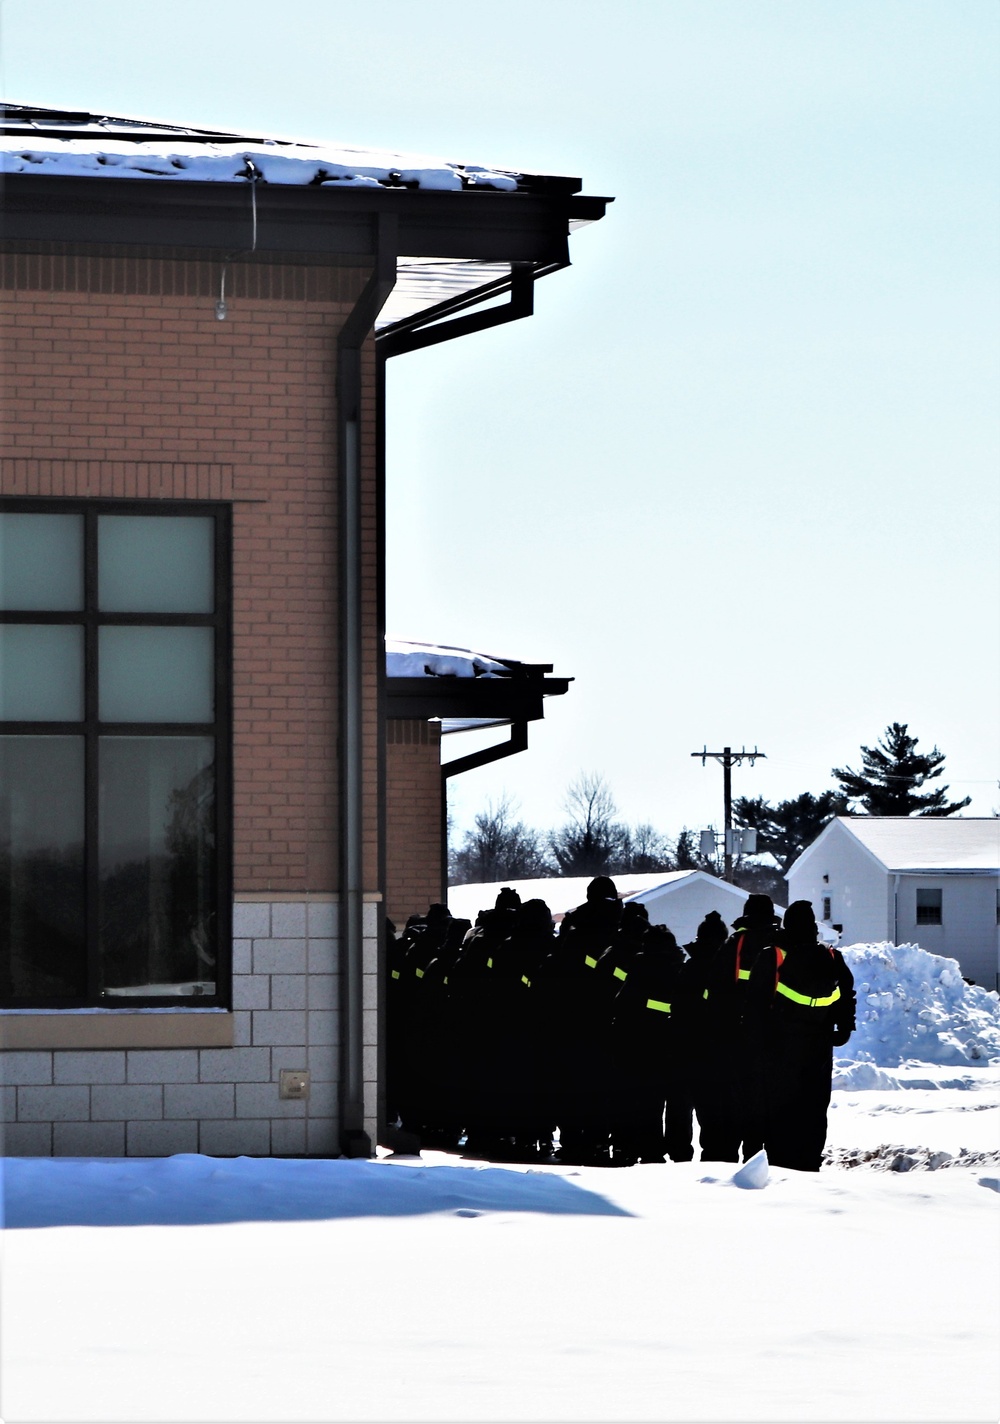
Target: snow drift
{"x": 913, "y": 1005}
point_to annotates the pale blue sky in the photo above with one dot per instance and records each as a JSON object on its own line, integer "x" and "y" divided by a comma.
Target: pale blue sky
{"x": 738, "y": 474}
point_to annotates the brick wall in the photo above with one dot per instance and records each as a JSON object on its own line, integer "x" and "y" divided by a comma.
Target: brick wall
{"x": 414, "y": 873}
{"x": 119, "y": 382}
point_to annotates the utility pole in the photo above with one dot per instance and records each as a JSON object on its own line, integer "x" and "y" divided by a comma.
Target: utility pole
{"x": 728, "y": 759}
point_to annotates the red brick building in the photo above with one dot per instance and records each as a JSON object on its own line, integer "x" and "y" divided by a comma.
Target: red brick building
{"x": 195, "y": 742}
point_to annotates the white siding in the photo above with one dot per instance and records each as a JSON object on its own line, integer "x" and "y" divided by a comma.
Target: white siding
{"x": 859, "y": 889}
{"x": 968, "y": 928}
{"x": 683, "y": 906}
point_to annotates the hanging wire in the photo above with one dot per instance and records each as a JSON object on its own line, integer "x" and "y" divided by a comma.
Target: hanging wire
{"x": 253, "y": 175}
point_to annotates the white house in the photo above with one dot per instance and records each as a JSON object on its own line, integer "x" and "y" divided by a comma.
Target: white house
{"x": 927, "y": 880}
{"x": 682, "y": 898}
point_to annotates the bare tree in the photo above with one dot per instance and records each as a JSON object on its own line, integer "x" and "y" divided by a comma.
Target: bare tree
{"x": 499, "y": 847}
{"x": 591, "y": 842}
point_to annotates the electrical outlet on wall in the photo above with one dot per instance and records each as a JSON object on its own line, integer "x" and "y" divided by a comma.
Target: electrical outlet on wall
{"x": 293, "y": 1083}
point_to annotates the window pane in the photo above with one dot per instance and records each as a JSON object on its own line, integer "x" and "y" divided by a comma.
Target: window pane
{"x": 41, "y": 562}
{"x": 42, "y": 918}
{"x": 156, "y": 674}
{"x": 929, "y": 904}
{"x": 151, "y": 564}
{"x": 157, "y": 866}
{"x": 41, "y": 672}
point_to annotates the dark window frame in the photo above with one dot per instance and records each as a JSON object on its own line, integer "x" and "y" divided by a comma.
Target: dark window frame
{"x": 930, "y": 914}
{"x": 91, "y": 729}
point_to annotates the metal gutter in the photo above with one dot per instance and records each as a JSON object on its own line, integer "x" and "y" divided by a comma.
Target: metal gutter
{"x": 530, "y": 227}
{"x": 355, "y": 1142}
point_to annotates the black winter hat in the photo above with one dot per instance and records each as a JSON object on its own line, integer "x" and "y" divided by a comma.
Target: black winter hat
{"x": 602, "y": 887}
{"x": 635, "y": 916}
{"x": 712, "y": 929}
{"x": 759, "y": 908}
{"x": 507, "y": 899}
{"x": 800, "y": 918}
{"x": 437, "y": 912}
{"x": 535, "y": 917}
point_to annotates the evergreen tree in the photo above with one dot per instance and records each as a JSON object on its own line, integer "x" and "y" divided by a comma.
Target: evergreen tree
{"x": 785, "y": 830}
{"x": 688, "y": 856}
{"x": 894, "y": 771}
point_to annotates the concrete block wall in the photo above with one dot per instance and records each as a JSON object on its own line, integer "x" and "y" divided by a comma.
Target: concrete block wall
{"x": 218, "y": 1101}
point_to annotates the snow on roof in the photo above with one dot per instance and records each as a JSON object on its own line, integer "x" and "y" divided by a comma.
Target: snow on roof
{"x": 406, "y": 659}
{"x": 929, "y": 842}
{"x": 272, "y": 160}
{"x": 66, "y": 143}
{"x": 560, "y": 893}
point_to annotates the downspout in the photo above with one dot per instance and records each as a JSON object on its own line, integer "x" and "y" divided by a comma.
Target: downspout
{"x": 355, "y": 1142}
{"x": 895, "y": 909}
{"x": 516, "y": 742}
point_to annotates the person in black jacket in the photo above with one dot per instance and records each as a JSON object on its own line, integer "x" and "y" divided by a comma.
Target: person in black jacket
{"x": 579, "y": 1001}
{"x": 722, "y": 1087}
{"x": 515, "y": 1105}
{"x": 649, "y": 1108}
{"x": 800, "y": 1006}
{"x": 472, "y": 984}
{"x": 428, "y": 1103}
{"x": 687, "y": 1019}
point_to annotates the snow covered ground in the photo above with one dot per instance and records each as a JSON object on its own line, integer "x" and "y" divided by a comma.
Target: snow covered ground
{"x": 194, "y": 1288}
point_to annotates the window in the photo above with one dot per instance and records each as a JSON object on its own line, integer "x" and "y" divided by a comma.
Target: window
{"x": 928, "y": 907}
{"x": 114, "y": 753}
{"x": 826, "y": 907}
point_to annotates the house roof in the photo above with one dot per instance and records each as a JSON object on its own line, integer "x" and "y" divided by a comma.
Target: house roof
{"x": 464, "y": 229}
{"x": 946, "y": 844}
{"x": 670, "y": 880}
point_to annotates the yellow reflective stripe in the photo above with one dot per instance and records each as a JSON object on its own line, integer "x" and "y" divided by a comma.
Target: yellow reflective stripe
{"x": 446, "y": 978}
{"x": 590, "y": 962}
{"x": 743, "y": 974}
{"x": 395, "y": 973}
{"x": 805, "y": 999}
{"x": 525, "y": 980}
{"x": 621, "y": 974}
{"x": 704, "y": 994}
{"x": 420, "y": 973}
{"x": 489, "y": 964}
{"x": 658, "y": 1004}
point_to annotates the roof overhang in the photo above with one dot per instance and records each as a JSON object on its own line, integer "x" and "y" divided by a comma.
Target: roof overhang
{"x": 487, "y": 700}
{"x": 305, "y": 222}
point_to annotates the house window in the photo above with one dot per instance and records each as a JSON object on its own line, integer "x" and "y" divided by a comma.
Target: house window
{"x": 826, "y": 907}
{"x": 928, "y": 907}
{"x": 114, "y": 753}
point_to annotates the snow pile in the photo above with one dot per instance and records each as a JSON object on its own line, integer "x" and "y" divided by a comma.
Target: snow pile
{"x": 913, "y": 1005}
{"x": 331, "y": 165}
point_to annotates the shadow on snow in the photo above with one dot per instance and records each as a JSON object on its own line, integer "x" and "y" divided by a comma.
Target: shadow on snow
{"x": 191, "y": 1190}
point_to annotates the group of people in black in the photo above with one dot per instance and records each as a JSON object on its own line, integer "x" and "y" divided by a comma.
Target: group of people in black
{"x": 604, "y": 1043}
